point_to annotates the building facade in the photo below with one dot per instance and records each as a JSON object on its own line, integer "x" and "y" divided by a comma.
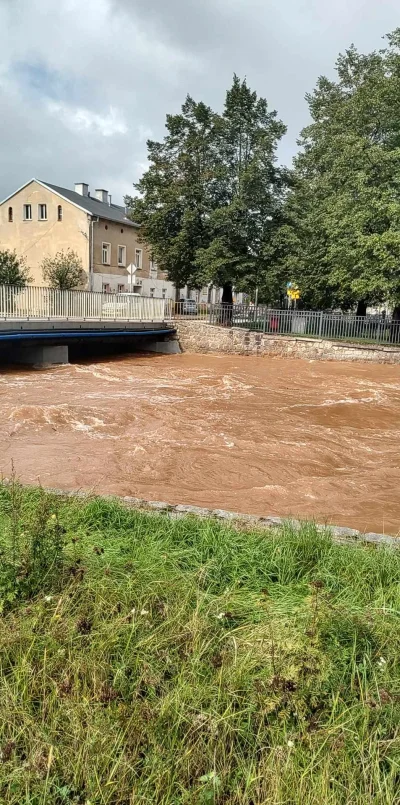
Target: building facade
{"x": 41, "y": 219}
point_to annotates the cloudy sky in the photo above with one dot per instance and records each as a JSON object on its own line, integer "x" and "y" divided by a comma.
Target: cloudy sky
{"x": 84, "y": 83}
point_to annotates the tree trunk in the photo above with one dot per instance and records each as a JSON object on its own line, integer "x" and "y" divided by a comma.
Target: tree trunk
{"x": 361, "y": 308}
{"x": 227, "y": 294}
{"x": 226, "y": 304}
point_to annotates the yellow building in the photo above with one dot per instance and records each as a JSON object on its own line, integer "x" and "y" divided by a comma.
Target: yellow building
{"x": 41, "y": 219}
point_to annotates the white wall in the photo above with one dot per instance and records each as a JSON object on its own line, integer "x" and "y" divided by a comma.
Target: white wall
{"x": 158, "y": 288}
{"x": 113, "y": 280}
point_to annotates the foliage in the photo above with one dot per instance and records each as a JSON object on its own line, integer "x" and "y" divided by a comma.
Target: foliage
{"x": 13, "y": 270}
{"x": 64, "y": 271}
{"x": 31, "y": 547}
{"x": 343, "y": 216}
{"x": 211, "y": 198}
{"x": 191, "y": 662}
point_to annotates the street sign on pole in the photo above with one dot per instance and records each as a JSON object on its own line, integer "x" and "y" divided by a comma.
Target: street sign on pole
{"x": 131, "y": 269}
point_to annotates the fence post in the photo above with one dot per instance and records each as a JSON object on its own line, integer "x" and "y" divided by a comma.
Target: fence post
{"x": 320, "y": 324}
{"x": 265, "y": 320}
{"x": 211, "y": 312}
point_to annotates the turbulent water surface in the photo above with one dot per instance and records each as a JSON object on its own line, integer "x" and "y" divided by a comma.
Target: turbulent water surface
{"x": 260, "y": 435}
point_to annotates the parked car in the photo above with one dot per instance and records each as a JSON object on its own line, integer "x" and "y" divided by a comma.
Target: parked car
{"x": 123, "y": 304}
{"x": 188, "y": 307}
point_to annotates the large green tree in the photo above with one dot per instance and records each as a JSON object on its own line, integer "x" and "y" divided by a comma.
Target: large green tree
{"x": 343, "y": 215}
{"x": 177, "y": 192}
{"x": 243, "y": 224}
{"x": 211, "y": 198}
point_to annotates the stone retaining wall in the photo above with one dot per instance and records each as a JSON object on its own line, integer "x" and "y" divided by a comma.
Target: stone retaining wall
{"x": 199, "y": 336}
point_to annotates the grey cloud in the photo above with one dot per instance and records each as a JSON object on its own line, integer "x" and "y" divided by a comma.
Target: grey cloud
{"x": 83, "y": 83}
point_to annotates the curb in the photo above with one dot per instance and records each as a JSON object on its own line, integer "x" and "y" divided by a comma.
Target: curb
{"x": 340, "y": 534}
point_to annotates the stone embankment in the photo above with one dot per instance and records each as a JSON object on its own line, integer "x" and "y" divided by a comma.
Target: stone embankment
{"x": 199, "y": 336}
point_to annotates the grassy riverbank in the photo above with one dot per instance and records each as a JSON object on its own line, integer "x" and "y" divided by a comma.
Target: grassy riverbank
{"x": 144, "y": 660}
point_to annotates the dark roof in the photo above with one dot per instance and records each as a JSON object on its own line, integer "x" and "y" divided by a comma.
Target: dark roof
{"x": 112, "y": 212}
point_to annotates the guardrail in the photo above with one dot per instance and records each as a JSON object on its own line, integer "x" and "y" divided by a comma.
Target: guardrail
{"x": 316, "y": 324}
{"x": 32, "y": 302}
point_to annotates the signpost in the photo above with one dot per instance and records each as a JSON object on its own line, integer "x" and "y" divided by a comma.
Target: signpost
{"x": 292, "y": 292}
{"x": 131, "y": 269}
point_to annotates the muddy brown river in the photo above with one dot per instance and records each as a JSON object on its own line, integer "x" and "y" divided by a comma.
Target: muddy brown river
{"x": 258, "y": 435}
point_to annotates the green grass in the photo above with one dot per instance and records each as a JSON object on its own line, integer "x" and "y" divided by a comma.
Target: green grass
{"x": 146, "y": 660}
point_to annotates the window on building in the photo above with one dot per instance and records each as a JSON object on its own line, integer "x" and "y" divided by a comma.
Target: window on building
{"x": 121, "y": 288}
{"x": 122, "y": 255}
{"x": 27, "y": 212}
{"x": 106, "y": 287}
{"x": 164, "y": 293}
{"x": 138, "y": 258}
{"x": 59, "y": 212}
{"x": 153, "y": 269}
{"x": 106, "y": 254}
{"x": 42, "y": 212}
{"x": 152, "y": 291}
{"x": 10, "y": 215}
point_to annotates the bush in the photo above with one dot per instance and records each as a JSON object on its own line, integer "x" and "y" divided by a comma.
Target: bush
{"x": 64, "y": 271}
{"x": 13, "y": 269}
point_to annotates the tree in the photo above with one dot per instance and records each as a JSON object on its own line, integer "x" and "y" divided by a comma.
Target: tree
{"x": 210, "y": 200}
{"x": 13, "y": 270}
{"x": 177, "y": 192}
{"x": 343, "y": 239}
{"x": 64, "y": 271}
{"x": 243, "y": 224}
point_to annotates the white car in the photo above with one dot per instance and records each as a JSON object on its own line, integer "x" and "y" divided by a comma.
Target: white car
{"x": 188, "y": 307}
{"x": 123, "y": 305}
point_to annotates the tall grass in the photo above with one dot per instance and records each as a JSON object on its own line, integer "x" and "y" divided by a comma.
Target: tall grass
{"x": 188, "y": 662}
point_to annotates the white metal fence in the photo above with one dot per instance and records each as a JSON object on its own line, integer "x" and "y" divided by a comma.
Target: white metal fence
{"x": 377, "y": 329}
{"x": 32, "y": 302}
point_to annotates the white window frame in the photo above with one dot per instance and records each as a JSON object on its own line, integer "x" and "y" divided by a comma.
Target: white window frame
{"x": 120, "y": 288}
{"x": 40, "y": 208}
{"x": 152, "y": 292}
{"x": 25, "y": 216}
{"x": 59, "y": 213}
{"x": 108, "y": 261}
{"x": 123, "y": 261}
{"x": 139, "y": 258}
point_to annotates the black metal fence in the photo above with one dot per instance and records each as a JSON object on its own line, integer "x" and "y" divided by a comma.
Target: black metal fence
{"x": 377, "y": 329}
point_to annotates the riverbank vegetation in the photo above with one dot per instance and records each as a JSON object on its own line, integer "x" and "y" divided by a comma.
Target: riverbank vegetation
{"x": 147, "y": 660}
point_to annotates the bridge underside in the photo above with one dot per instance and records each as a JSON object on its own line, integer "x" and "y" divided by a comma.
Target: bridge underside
{"x": 49, "y": 342}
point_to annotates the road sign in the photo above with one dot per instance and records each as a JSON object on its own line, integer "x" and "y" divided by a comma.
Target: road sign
{"x": 293, "y": 293}
{"x": 131, "y": 269}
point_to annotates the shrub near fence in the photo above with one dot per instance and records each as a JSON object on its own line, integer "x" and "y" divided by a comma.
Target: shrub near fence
{"x": 316, "y": 324}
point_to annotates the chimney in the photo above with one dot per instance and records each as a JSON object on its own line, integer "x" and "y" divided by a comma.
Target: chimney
{"x": 102, "y": 195}
{"x": 109, "y": 199}
{"x": 82, "y": 188}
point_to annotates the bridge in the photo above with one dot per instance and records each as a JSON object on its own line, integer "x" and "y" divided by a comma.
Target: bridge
{"x": 38, "y": 325}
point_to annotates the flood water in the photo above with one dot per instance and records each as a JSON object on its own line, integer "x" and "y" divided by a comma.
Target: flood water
{"x": 258, "y": 435}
